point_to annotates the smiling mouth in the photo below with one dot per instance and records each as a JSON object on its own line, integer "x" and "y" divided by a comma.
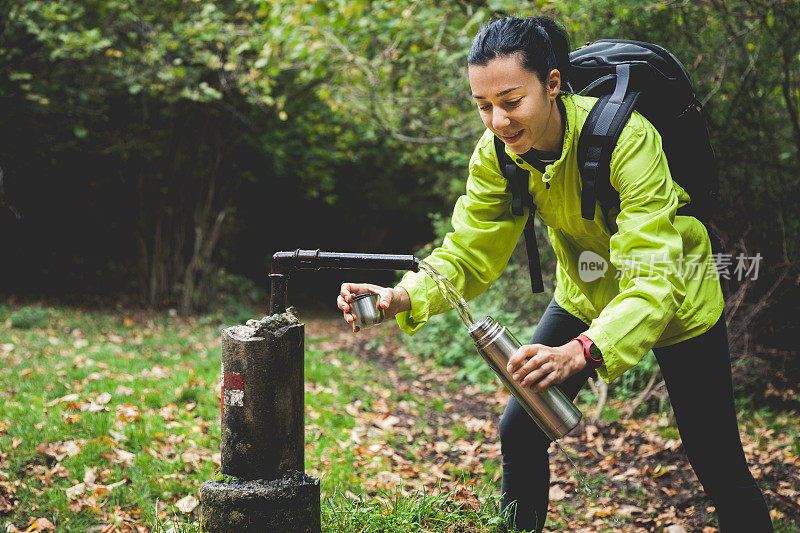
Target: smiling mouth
{"x": 512, "y": 138}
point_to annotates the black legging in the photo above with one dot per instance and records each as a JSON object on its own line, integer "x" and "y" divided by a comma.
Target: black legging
{"x": 697, "y": 373}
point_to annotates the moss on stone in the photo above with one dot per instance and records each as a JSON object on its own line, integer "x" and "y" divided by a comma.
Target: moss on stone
{"x": 225, "y": 479}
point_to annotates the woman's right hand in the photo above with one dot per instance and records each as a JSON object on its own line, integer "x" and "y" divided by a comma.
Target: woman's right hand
{"x": 392, "y": 300}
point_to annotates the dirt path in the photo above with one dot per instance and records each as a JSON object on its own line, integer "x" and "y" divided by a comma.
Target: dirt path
{"x": 640, "y": 481}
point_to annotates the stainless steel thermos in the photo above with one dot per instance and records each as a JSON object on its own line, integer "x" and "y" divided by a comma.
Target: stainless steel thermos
{"x": 550, "y": 409}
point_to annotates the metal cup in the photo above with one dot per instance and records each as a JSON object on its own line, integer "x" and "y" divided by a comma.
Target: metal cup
{"x": 365, "y": 310}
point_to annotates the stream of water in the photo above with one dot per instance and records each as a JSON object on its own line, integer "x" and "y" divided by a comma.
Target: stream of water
{"x": 450, "y": 294}
{"x": 583, "y": 486}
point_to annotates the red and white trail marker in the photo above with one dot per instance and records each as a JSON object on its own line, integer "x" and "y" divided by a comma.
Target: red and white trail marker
{"x": 232, "y": 390}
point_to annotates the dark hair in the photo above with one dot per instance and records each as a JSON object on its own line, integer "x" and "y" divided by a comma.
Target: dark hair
{"x": 544, "y": 45}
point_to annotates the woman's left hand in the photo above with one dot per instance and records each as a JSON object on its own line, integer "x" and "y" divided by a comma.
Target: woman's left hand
{"x": 538, "y": 366}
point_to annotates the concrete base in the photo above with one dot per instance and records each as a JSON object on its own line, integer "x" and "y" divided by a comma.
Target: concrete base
{"x": 287, "y": 505}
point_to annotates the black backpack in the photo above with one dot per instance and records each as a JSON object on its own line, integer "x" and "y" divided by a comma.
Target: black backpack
{"x": 627, "y": 75}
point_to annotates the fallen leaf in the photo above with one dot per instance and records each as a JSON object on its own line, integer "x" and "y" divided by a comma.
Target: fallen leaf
{"x": 72, "y": 448}
{"x": 7, "y": 499}
{"x": 90, "y": 476}
{"x": 369, "y": 451}
{"x": 605, "y": 511}
{"x": 123, "y": 457}
{"x": 557, "y": 493}
{"x": 40, "y": 524}
{"x": 75, "y": 491}
{"x": 105, "y": 490}
{"x": 103, "y": 399}
{"x": 168, "y": 412}
{"x": 191, "y": 457}
{"x": 117, "y": 436}
{"x": 661, "y": 470}
{"x": 675, "y": 528}
{"x": 775, "y": 514}
{"x": 67, "y": 398}
{"x": 57, "y": 471}
{"x": 466, "y": 498}
{"x": 59, "y": 450}
{"x": 187, "y": 504}
{"x": 386, "y": 424}
{"x": 629, "y": 510}
{"x": 119, "y": 483}
{"x": 128, "y": 412}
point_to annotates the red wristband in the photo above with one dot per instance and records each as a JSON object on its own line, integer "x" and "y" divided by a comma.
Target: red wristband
{"x": 587, "y": 343}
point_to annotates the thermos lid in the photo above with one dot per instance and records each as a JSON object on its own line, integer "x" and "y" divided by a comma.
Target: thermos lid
{"x": 483, "y": 328}
{"x": 365, "y": 295}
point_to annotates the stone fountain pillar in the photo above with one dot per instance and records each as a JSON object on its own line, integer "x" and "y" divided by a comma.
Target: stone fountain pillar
{"x": 262, "y": 487}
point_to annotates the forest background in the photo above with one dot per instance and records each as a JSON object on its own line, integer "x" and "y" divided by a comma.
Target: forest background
{"x": 157, "y": 153}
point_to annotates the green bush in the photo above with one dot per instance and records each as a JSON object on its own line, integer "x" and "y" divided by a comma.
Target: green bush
{"x": 30, "y": 317}
{"x": 236, "y": 297}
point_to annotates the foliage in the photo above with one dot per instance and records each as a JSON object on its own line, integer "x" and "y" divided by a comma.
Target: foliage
{"x": 237, "y": 296}
{"x": 29, "y": 317}
{"x": 149, "y": 89}
{"x": 186, "y": 136}
{"x": 168, "y": 50}
{"x": 191, "y": 113}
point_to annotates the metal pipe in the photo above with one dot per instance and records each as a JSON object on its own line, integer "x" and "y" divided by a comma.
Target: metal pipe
{"x": 277, "y": 293}
{"x": 284, "y": 263}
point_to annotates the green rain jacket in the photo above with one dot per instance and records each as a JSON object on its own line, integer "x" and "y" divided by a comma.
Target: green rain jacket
{"x": 661, "y": 285}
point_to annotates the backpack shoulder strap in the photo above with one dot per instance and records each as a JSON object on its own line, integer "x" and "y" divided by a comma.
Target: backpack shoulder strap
{"x": 520, "y": 197}
{"x": 517, "y": 179}
{"x": 597, "y": 141}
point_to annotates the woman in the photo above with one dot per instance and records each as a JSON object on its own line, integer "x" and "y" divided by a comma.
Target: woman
{"x": 516, "y": 71}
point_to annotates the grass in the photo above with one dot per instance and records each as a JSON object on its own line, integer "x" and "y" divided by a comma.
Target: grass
{"x": 113, "y": 418}
{"x": 437, "y": 512}
{"x": 107, "y": 401}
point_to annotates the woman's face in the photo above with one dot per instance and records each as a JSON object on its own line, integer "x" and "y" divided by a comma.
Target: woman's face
{"x": 516, "y": 106}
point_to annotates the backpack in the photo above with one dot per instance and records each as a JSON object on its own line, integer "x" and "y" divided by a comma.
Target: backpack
{"x": 626, "y": 75}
